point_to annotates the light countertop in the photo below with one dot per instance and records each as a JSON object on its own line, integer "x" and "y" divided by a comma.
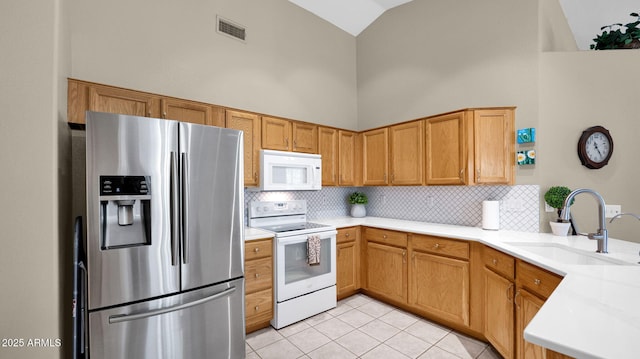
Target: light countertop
{"x": 593, "y": 313}
{"x": 251, "y": 234}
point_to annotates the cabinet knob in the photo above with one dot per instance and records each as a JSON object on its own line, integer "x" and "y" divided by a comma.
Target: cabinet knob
{"x": 164, "y": 115}
{"x": 384, "y": 236}
{"x": 494, "y": 261}
{"x": 256, "y": 250}
{"x": 257, "y": 308}
{"x": 257, "y": 275}
{"x": 346, "y": 234}
{"x": 536, "y": 281}
{"x": 436, "y": 246}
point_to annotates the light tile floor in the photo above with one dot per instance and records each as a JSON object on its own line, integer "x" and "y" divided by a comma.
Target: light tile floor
{"x": 362, "y": 327}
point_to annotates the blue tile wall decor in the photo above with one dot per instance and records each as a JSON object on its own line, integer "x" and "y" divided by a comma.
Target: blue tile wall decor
{"x": 526, "y": 135}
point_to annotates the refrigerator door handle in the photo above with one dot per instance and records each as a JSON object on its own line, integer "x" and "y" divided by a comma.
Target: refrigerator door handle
{"x": 113, "y": 319}
{"x": 175, "y": 219}
{"x": 185, "y": 207}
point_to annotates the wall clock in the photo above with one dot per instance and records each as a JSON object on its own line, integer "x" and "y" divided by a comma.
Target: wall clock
{"x": 595, "y": 147}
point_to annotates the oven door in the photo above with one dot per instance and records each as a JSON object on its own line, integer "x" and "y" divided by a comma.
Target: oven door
{"x": 294, "y": 276}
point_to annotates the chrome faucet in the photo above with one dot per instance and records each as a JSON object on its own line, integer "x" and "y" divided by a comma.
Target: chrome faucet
{"x": 624, "y": 214}
{"x": 601, "y": 235}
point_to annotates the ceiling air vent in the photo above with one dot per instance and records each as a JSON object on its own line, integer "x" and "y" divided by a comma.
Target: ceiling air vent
{"x": 232, "y": 29}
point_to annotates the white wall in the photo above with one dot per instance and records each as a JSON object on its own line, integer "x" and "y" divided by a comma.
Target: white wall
{"x": 32, "y": 179}
{"x": 583, "y": 89}
{"x": 293, "y": 64}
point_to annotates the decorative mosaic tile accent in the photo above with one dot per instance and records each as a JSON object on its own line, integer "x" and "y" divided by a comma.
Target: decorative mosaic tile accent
{"x": 460, "y": 205}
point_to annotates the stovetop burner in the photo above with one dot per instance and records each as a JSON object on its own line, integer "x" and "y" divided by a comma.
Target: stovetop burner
{"x": 285, "y": 218}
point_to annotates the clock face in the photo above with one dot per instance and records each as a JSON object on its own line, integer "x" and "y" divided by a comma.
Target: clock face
{"x": 597, "y": 147}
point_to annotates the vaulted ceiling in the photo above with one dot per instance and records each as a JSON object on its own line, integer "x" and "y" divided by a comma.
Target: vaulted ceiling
{"x": 585, "y": 17}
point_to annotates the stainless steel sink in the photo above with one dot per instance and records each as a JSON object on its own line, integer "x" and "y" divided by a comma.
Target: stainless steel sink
{"x": 567, "y": 255}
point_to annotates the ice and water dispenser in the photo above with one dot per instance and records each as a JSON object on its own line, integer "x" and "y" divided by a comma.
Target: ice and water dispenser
{"x": 125, "y": 211}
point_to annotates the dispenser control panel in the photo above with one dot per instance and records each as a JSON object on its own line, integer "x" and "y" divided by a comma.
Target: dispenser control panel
{"x": 124, "y": 185}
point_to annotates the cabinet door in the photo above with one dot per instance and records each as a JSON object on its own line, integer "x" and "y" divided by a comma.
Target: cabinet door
{"x": 305, "y": 137}
{"x": 126, "y": 102}
{"x": 407, "y": 153}
{"x": 499, "y": 318}
{"x": 375, "y": 152}
{"x": 187, "y": 111}
{"x": 328, "y": 149}
{"x": 250, "y": 124}
{"x": 347, "y": 158}
{"x": 387, "y": 271}
{"x": 446, "y": 149}
{"x": 494, "y": 146}
{"x": 440, "y": 286}
{"x": 526, "y": 308}
{"x": 276, "y": 134}
{"x": 347, "y": 268}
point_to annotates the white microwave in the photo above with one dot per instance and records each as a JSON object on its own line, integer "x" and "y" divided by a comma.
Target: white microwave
{"x": 290, "y": 171}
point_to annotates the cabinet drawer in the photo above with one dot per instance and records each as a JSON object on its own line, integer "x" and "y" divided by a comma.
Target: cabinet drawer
{"x": 259, "y": 306}
{"x": 258, "y": 274}
{"x": 440, "y": 246}
{"x": 499, "y": 262}
{"x": 393, "y": 238}
{"x": 346, "y": 234}
{"x": 537, "y": 280}
{"x": 257, "y": 249}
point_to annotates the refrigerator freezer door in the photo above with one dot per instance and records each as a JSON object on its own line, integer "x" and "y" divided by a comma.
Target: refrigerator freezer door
{"x": 120, "y": 145}
{"x": 205, "y": 323}
{"x": 211, "y": 164}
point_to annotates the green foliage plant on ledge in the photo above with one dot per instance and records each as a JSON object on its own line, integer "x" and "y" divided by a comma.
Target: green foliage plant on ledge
{"x": 613, "y": 38}
{"x": 555, "y": 197}
{"x": 358, "y": 198}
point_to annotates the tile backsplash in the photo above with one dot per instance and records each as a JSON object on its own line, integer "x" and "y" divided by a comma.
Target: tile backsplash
{"x": 460, "y": 205}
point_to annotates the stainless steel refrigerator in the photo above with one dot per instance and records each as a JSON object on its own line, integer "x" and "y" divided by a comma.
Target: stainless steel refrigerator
{"x": 164, "y": 239}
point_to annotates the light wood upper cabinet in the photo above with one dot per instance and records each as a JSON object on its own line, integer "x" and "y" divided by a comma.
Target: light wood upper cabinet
{"x": 328, "y": 150}
{"x": 348, "y": 159}
{"x": 494, "y": 146}
{"x": 406, "y": 142}
{"x": 250, "y": 124}
{"x": 276, "y": 134}
{"x": 193, "y": 112}
{"x": 446, "y": 149}
{"x": 305, "y": 137}
{"x": 375, "y": 157}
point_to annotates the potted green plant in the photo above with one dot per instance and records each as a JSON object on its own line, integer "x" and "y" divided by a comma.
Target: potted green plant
{"x": 614, "y": 38}
{"x": 358, "y": 200}
{"x": 555, "y": 197}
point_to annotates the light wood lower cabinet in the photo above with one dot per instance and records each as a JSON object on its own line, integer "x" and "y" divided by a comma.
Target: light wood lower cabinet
{"x": 386, "y": 264}
{"x": 499, "y": 316}
{"x": 347, "y": 261}
{"x": 439, "y": 278}
{"x": 258, "y": 284}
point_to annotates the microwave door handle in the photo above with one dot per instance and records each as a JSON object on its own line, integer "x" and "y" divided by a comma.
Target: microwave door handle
{"x": 174, "y": 210}
{"x": 185, "y": 207}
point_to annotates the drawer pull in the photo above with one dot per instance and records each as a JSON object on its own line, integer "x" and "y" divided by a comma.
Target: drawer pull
{"x": 384, "y": 236}
{"x": 257, "y": 308}
{"x": 257, "y": 250}
{"x": 346, "y": 234}
{"x": 509, "y": 295}
{"x": 257, "y": 275}
{"x": 536, "y": 281}
{"x": 436, "y": 246}
{"x": 494, "y": 261}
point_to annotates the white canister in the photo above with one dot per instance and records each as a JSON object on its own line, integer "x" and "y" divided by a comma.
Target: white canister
{"x": 491, "y": 215}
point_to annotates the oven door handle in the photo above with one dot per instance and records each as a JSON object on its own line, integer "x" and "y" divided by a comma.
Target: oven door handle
{"x": 303, "y": 237}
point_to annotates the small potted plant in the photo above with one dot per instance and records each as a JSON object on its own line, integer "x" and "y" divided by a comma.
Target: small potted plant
{"x": 555, "y": 197}
{"x": 358, "y": 200}
{"x": 613, "y": 38}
